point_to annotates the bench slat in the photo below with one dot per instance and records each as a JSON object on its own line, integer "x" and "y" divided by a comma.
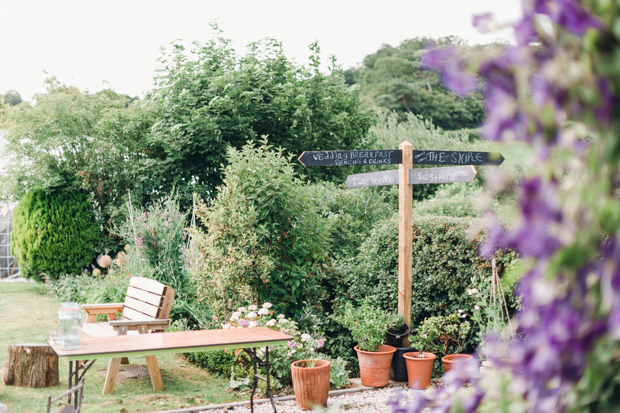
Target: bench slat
{"x": 147, "y": 284}
{"x": 141, "y": 306}
{"x": 133, "y": 315}
{"x": 144, "y": 296}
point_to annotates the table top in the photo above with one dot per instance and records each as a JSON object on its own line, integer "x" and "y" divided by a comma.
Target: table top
{"x": 177, "y": 342}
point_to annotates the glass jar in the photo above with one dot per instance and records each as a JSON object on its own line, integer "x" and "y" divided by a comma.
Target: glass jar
{"x": 70, "y": 326}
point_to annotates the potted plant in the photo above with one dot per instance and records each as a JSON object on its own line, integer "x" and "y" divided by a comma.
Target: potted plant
{"x": 420, "y": 363}
{"x": 397, "y": 333}
{"x": 368, "y": 326}
{"x": 310, "y": 375}
{"x": 453, "y": 331}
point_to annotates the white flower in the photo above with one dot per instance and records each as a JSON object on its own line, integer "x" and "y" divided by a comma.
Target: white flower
{"x": 311, "y": 350}
{"x": 425, "y": 335}
{"x": 271, "y": 323}
{"x": 263, "y": 311}
{"x": 260, "y": 353}
{"x": 253, "y": 323}
{"x": 267, "y": 305}
{"x": 290, "y": 353}
{"x": 226, "y": 326}
{"x": 237, "y": 313}
{"x": 282, "y": 321}
{"x": 251, "y": 315}
{"x": 281, "y": 316}
{"x": 252, "y": 307}
{"x": 305, "y": 337}
{"x": 476, "y": 307}
{"x": 242, "y": 309}
{"x": 234, "y": 317}
{"x": 460, "y": 311}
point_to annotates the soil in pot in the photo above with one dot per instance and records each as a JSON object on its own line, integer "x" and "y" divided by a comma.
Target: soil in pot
{"x": 375, "y": 365}
{"x": 448, "y": 361}
{"x": 311, "y": 384}
{"x": 396, "y": 338}
{"x": 398, "y": 369}
{"x": 419, "y": 370}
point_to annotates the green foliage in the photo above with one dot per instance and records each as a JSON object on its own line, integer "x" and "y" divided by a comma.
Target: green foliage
{"x": 12, "y": 97}
{"x": 265, "y": 236}
{"x": 76, "y": 288}
{"x": 451, "y": 200}
{"x": 368, "y": 324}
{"x": 54, "y": 233}
{"x": 78, "y": 141}
{"x": 442, "y": 334}
{"x": 210, "y": 99}
{"x": 444, "y": 262}
{"x": 338, "y": 375}
{"x": 218, "y": 362}
{"x": 392, "y": 78}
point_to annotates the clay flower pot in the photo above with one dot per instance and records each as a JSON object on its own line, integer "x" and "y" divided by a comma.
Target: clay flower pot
{"x": 453, "y": 358}
{"x": 375, "y": 365}
{"x": 311, "y": 384}
{"x": 419, "y": 369}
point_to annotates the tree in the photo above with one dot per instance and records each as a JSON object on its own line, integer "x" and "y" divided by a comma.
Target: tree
{"x": 54, "y": 233}
{"x": 393, "y": 78}
{"x": 211, "y": 99}
{"x": 94, "y": 143}
{"x": 12, "y": 97}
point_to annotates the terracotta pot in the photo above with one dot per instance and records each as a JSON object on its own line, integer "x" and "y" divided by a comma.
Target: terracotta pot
{"x": 375, "y": 365}
{"x": 419, "y": 369}
{"x": 453, "y": 358}
{"x": 311, "y": 384}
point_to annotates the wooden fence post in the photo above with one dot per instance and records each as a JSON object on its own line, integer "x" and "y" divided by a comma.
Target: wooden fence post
{"x": 405, "y": 201}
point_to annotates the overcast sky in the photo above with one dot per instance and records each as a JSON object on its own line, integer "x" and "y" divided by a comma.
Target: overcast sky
{"x": 85, "y": 43}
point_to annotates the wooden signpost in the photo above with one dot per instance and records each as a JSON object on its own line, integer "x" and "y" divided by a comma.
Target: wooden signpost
{"x": 405, "y": 176}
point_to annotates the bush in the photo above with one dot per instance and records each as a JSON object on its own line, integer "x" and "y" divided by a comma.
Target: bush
{"x": 266, "y": 240}
{"x": 74, "y": 288}
{"x": 218, "y": 362}
{"x": 444, "y": 263}
{"x": 54, "y": 233}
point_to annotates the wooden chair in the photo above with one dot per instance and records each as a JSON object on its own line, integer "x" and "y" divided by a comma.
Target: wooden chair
{"x": 145, "y": 310}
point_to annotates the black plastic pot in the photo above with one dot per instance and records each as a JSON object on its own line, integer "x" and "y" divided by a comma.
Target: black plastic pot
{"x": 397, "y": 338}
{"x": 398, "y": 369}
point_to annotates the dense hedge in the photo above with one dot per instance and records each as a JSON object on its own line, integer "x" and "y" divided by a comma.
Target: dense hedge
{"x": 444, "y": 263}
{"x": 54, "y": 233}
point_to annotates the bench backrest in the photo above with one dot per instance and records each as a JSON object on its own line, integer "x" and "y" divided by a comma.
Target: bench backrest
{"x": 147, "y": 299}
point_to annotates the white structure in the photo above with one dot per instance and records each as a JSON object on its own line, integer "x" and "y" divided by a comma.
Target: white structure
{"x": 8, "y": 263}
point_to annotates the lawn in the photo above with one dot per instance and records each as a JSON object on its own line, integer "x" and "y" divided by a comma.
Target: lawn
{"x": 27, "y": 315}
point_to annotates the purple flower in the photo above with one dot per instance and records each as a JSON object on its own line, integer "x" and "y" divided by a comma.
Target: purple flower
{"x": 568, "y": 14}
{"x": 447, "y": 62}
{"x": 320, "y": 343}
{"x": 291, "y": 344}
{"x": 243, "y": 323}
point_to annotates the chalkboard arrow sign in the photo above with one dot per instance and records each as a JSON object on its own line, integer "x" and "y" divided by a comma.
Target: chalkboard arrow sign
{"x": 457, "y": 158}
{"x": 447, "y": 175}
{"x": 350, "y": 158}
{"x": 372, "y": 179}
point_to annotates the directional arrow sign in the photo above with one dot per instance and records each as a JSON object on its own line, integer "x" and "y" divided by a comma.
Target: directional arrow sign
{"x": 447, "y": 175}
{"x": 457, "y": 158}
{"x": 373, "y": 179}
{"x": 349, "y": 158}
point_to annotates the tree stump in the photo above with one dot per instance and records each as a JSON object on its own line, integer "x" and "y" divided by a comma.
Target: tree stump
{"x": 30, "y": 365}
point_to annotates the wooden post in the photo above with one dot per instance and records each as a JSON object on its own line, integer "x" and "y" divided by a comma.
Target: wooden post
{"x": 405, "y": 201}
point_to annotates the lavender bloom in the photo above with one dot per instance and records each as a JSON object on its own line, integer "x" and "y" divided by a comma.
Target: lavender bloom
{"x": 568, "y": 14}
{"x": 447, "y": 62}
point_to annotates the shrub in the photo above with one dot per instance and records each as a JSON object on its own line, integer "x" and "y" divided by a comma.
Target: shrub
{"x": 368, "y": 324}
{"x": 74, "y": 288}
{"x": 265, "y": 239}
{"x": 444, "y": 263}
{"x": 54, "y": 233}
{"x": 218, "y": 362}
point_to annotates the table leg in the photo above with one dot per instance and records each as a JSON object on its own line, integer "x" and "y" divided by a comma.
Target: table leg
{"x": 70, "y": 379}
{"x": 269, "y": 379}
{"x": 256, "y": 361}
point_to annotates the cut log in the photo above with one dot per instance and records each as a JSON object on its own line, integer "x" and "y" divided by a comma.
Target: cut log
{"x": 30, "y": 365}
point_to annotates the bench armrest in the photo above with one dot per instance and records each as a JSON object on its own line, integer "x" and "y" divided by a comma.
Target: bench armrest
{"x": 158, "y": 325}
{"x": 103, "y": 308}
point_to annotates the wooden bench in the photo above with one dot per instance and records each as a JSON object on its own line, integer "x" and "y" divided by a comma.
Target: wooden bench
{"x": 145, "y": 310}
{"x": 178, "y": 342}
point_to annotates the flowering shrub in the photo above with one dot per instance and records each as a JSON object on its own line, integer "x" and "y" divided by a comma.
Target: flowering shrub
{"x": 561, "y": 97}
{"x": 302, "y": 347}
{"x": 442, "y": 334}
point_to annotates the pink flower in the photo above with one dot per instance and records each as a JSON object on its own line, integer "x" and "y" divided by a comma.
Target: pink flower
{"x": 291, "y": 344}
{"x": 243, "y": 323}
{"x": 320, "y": 343}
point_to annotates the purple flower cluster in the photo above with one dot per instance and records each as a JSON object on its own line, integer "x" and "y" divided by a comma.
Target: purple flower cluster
{"x": 571, "y": 293}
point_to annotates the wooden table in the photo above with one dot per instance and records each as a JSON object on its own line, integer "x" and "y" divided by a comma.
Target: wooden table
{"x": 248, "y": 339}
